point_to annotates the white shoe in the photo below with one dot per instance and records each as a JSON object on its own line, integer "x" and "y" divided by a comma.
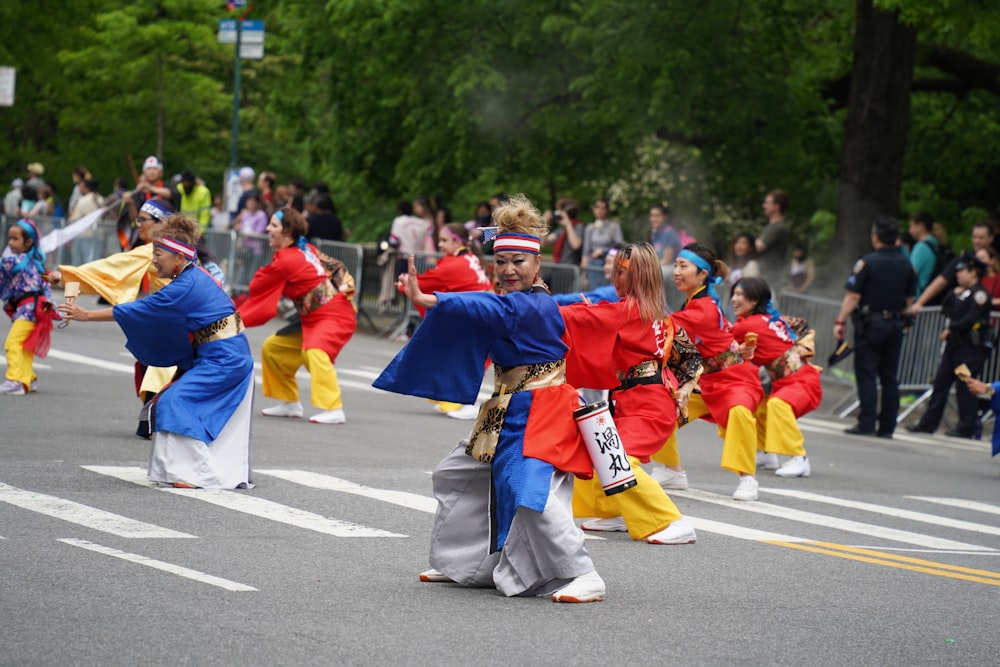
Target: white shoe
{"x": 466, "y": 412}
{"x": 679, "y": 532}
{"x": 585, "y": 588}
{"x": 12, "y": 388}
{"x": 767, "y": 461}
{"x": 747, "y": 490}
{"x": 612, "y": 525}
{"x": 433, "y": 576}
{"x": 797, "y": 466}
{"x": 291, "y": 409}
{"x": 329, "y": 417}
{"x": 669, "y": 479}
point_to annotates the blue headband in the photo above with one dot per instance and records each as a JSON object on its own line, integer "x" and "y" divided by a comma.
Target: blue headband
{"x": 34, "y": 254}
{"x": 710, "y": 282}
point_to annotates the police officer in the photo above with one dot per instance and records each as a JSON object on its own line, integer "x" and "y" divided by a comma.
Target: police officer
{"x": 966, "y": 334}
{"x": 879, "y": 290}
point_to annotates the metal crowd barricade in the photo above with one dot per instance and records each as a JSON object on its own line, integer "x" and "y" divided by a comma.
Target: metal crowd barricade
{"x": 561, "y": 278}
{"x": 410, "y": 318}
{"x": 352, "y": 255}
{"x": 250, "y": 252}
{"x": 222, "y": 244}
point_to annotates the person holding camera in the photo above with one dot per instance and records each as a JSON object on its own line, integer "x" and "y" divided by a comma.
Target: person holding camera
{"x": 965, "y": 336}
{"x": 567, "y": 240}
{"x": 879, "y": 290}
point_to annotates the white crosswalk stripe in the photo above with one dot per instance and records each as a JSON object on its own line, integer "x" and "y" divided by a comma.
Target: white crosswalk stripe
{"x": 826, "y": 521}
{"x": 963, "y": 504}
{"x": 248, "y": 504}
{"x": 159, "y": 565}
{"x": 888, "y": 511}
{"x": 326, "y": 482}
{"x": 73, "y": 512}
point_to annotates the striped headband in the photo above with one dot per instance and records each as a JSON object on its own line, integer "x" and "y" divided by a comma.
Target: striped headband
{"x": 176, "y": 247}
{"x": 156, "y": 209}
{"x": 511, "y": 242}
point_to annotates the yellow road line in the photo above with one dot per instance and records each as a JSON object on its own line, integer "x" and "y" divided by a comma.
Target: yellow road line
{"x": 892, "y": 560}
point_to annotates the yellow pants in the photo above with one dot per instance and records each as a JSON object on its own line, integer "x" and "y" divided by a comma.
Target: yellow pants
{"x": 739, "y": 440}
{"x": 281, "y": 357}
{"x": 777, "y": 429}
{"x": 20, "y": 362}
{"x": 646, "y": 507}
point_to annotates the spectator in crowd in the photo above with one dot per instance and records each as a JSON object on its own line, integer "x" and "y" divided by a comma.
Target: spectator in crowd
{"x": 324, "y": 223}
{"x": 422, "y": 208}
{"x": 12, "y": 201}
{"x": 85, "y": 245}
{"x": 296, "y": 188}
{"x": 965, "y": 337}
{"x": 772, "y": 244}
{"x": 281, "y": 198}
{"x": 196, "y": 200}
{"x": 742, "y": 258}
{"x": 246, "y": 176}
{"x": 35, "y": 172}
{"x": 80, "y": 174}
{"x": 879, "y": 290}
{"x": 151, "y": 184}
{"x": 219, "y": 216}
{"x": 982, "y": 236}
{"x": 442, "y": 214}
{"x": 801, "y": 270}
{"x": 29, "y": 197}
{"x": 923, "y": 257}
{"x": 265, "y": 186}
{"x": 482, "y": 218}
{"x": 567, "y": 241}
{"x": 408, "y": 236}
{"x": 991, "y": 279}
{"x": 44, "y": 204}
{"x": 598, "y": 238}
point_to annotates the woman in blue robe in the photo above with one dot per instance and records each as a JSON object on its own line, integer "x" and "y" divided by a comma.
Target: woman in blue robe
{"x": 200, "y": 422}
{"x": 504, "y": 514}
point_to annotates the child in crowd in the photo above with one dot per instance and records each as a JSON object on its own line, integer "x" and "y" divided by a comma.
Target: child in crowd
{"x": 27, "y": 296}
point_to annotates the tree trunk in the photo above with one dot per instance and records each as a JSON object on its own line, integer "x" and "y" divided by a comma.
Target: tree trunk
{"x": 878, "y": 112}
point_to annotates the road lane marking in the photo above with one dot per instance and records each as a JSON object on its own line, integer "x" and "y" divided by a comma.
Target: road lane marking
{"x": 932, "y": 519}
{"x": 92, "y": 361}
{"x": 892, "y": 560}
{"x": 247, "y": 504}
{"x": 160, "y": 565}
{"x": 828, "y": 521}
{"x": 962, "y": 504}
{"x": 82, "y": 515}
{"x": 329, "y": 483}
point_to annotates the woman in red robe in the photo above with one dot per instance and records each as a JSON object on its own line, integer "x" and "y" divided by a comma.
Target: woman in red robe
{"x": 730, "y": 389}
{"x": 322, "y": 298}
{"x": 796, "y": 388}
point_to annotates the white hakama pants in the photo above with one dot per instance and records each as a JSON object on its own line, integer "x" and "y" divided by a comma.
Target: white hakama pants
{"x": 222, "y": 464}
{"x": 543, "y": 552}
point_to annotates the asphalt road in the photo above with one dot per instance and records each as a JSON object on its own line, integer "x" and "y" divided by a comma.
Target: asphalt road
{"x": 888, "y": 554}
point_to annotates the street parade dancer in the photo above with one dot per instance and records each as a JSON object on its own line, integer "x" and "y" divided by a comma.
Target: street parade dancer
{"x": 504, "y": 516}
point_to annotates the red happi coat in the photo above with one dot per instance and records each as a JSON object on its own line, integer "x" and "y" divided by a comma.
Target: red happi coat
{"x": 803, "y": 389}
{"x": 454, "y": 273}
{"x": 725, "y": 389}
{"x": 293, "y": 273}
{"x": 607, "y": 338}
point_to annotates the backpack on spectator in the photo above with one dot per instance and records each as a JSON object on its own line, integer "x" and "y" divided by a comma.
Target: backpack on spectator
{"x": 943, "y": 255}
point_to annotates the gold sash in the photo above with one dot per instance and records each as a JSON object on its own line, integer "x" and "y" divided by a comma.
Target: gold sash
{"x": 227, "y": 327}
{"x": 507, "y": 382}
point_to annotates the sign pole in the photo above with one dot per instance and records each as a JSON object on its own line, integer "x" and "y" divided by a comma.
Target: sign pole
{"x": 236, "y": 97}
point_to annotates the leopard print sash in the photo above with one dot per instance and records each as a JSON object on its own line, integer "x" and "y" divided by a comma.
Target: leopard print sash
{"x": 507, "y": 382}
{"x": 315, "y": 298}
{"x": 227, "y": 327}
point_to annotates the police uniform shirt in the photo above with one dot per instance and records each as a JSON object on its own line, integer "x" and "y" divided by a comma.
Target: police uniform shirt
{"x": 884, "y": 279}
{"x": 966, "y": 309}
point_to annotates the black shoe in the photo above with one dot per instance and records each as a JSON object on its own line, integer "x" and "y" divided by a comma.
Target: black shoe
{"x": 887, "y": 436}
{"x": 955, "y": 434}
{"x": 917, "y": 428}
{"x": 857, "y": 430}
